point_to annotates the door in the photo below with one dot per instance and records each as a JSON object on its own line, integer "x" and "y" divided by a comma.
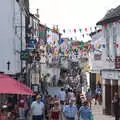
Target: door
{"x": 108, "y": 97}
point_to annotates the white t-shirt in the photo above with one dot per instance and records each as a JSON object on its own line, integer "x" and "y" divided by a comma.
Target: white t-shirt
{"x": 62, "y": 95}
{"x": 70, "y": 95}
{"x": 37, "y": 108}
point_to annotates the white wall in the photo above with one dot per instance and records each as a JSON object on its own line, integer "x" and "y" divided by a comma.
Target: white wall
{"x": 113, "y": 31}
{"x": 10, "y": 41}
{"x": 104, "y": 63}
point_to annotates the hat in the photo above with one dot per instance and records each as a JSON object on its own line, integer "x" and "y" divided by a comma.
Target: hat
{"x": 38, "y": 97}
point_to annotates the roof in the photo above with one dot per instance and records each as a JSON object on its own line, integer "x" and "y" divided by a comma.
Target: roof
{"x": 111, "y": 16}
{"x": 34, "y": 17}
{"x": 93, "y": 33}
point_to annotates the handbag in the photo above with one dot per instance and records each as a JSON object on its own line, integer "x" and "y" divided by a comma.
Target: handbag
{"x": 91, "y": 117}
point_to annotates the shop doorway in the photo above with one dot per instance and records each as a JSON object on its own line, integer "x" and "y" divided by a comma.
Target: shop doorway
{"x": 108, "y": 97}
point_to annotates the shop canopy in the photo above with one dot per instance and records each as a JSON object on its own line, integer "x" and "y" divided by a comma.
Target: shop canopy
{"x": 9, "y": 85}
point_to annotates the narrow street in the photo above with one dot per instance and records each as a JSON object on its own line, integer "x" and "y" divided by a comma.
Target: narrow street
{"x": 59, "y": 55}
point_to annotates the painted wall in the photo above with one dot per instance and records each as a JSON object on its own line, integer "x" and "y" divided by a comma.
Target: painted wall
{"x": 103, "y": 63}
{"x": 10, "y": 36}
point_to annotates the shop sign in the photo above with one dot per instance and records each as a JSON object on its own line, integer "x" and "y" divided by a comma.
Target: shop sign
{"x": 117, "y": 62}
{"x": 35, "y": 78}
{"x": 31, "y": 44}
{"x": 24, "y": 55}
{"x": 35, "y": 88}
{"x": 114, "y": 75}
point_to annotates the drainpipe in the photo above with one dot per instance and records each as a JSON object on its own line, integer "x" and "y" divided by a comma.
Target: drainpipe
{"x": 21, "y": 32}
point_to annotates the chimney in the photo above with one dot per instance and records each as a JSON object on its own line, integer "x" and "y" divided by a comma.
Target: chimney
{"x": 37, "y": 14}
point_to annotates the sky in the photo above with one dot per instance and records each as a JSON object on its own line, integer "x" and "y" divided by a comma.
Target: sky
{"x": 72, "y": 14}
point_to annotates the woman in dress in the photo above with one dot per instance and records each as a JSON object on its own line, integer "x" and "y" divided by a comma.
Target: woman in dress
{"x": 55, "y": 112}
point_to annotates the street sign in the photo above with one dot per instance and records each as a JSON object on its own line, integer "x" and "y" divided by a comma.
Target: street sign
{"x": 31, "y": 44}
{"x": 24, "y": 55}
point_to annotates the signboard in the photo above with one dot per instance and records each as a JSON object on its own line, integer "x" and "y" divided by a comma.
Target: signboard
{"x": 97, "y": 56}
{"x": 35, "y": 78}
{"x": 24, "y": 55}
{"x": 35, "y": 88}
{"x": 114, "y": 75}
{"x": 117, "y": 62}
{"x": 31, "y": 44}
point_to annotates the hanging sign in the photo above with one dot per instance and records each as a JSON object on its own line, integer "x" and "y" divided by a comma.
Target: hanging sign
{"x": 31, "y": 44}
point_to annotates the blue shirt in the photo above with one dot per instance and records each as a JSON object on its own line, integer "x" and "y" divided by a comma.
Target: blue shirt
{"x": 70, "y": 111}
{"x": 85, "y": 113}
{"x": 43, "y": 101}
{"x": 98, "y": 91}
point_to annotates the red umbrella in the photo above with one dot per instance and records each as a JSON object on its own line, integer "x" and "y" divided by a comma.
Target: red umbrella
{"x": 9, "y": 85}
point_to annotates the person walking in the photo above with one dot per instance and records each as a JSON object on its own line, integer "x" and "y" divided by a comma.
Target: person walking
{"x": 116, "y": 106}
{"x": 85, "y": 112}
{"x": 70, "y": 111}
{"x": 62, "y": 96}
{"x": 78, "y": 101}
{"x": 98, "y": 95}
{"x": 89, "y": 97}
{"x": 55, "y": 112}
{"x": 37, "y": 109}
{"x": 21, "y": 105}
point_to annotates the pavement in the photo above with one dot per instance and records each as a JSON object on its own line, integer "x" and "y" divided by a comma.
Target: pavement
{"x": 98, "y": 114}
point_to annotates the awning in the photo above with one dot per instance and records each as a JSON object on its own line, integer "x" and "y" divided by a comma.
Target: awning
{"x": 9, "y": 85}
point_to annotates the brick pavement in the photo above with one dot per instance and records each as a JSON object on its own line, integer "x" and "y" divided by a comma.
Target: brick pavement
{"x": 98, "y": 115}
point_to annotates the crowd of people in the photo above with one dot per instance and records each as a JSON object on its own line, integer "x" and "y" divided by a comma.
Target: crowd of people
{"x": 68, "y": 104}
{"x": 14, "y": 108}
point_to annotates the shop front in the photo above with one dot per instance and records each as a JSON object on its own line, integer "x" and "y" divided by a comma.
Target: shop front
{"x": 110, "y": 85}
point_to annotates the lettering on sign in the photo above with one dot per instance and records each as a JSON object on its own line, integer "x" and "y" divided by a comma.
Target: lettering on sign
{"x": 115, "y": 75}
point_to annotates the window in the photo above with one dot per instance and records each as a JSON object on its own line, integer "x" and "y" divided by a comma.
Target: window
{"x": 97, "y": 56}
{"x": 115, "y": 38}
{"x": 107, "y": 37}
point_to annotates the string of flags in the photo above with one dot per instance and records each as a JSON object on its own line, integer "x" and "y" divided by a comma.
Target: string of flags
{"x": 63, "y": 31}
{"x": 75, "y": 30}
{"x": 81, "y": 47}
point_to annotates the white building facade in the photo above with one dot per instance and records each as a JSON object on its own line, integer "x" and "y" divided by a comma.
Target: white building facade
{"x": 111, "y": 77}
{"x": 12, "y": 36}
{"x": 98, "y": 57}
